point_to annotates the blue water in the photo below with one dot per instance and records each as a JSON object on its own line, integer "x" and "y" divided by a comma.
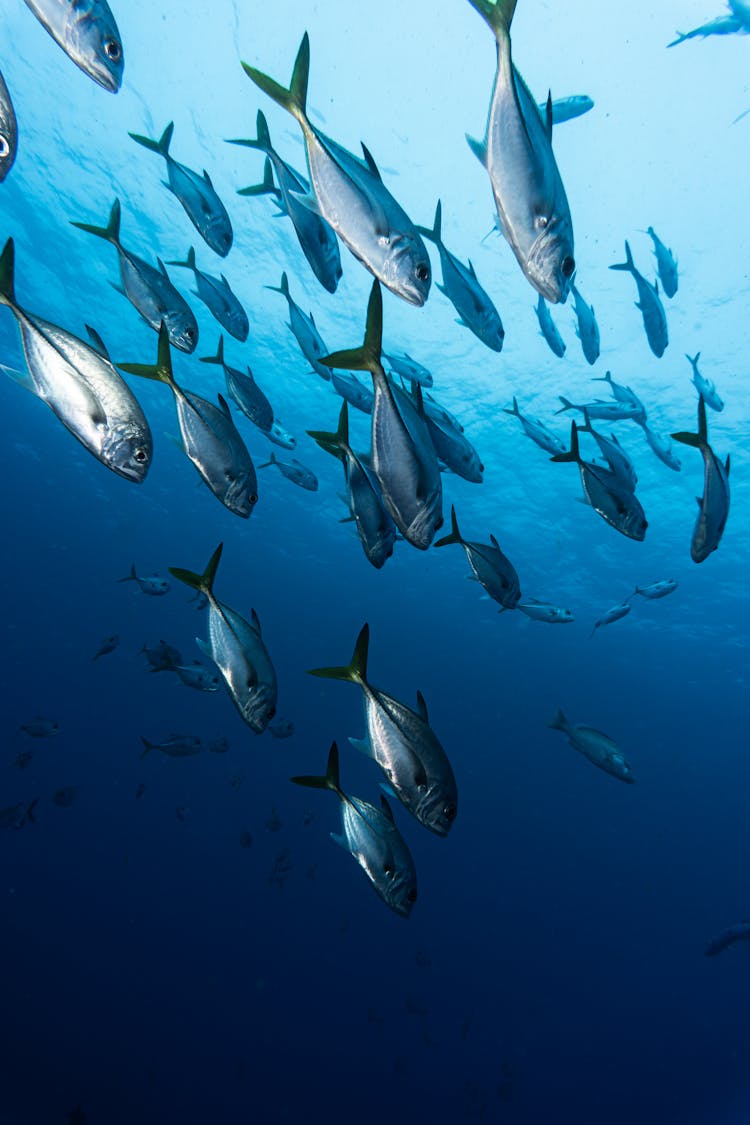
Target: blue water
{"x": 552, "y": 969}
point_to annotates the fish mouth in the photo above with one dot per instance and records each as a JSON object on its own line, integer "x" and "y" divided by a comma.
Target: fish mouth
{"x": 551, "y": 267}
{"x": 103, "y": 76}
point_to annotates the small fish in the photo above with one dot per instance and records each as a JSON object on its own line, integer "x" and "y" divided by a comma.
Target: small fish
{"x": 109, "y": 644}
{"x": 666, "y": 264}
{"x": 279, "y": 436}
{"x": 304, "y": 330}
{"x": 403, "y": 744}
{"x": 23, "y": 759}
{"x": 649, "y": 303}
{"x": 657, "y": 589}
{"x": 536, "y": 430}
{"x": 713, "y": 505}
{"x": 371, "y": 837}
{"x": 408, "y": 369}
{"x": 80, "y": 386}
{"x": 41, "y": 728}
{"x": 294, "y": 471}
{"x": 87, "y": 32}
{"x": 162, "y": 657}
{"x": 565, "y": 109}
{"x": 598, "y": 747}
{"x": 65, "y": 797}
{"x": 623, "y": 394}
{"x": 281, "y": 728}
{"x": 706, "y": 388}
{"x": 140, "y": 790}
{"x": 8, "y": 131}
{"x": 176, "y": 746}
{"x": 618, "y": 506}
{"x": 613, "y": 453}
{"x": 307, "y": 819}
{"x": 152, "y": 585}
{"x": 613, "y": 614}
{"x": 149, "y": 290}
{"x": 662, "y": 447}
{"x": 722, "y": 25}
{"x": 543, "y": 611}
{"x": 587, "y": 330}
{"x": 196, "y": 194}
{"x": 548, "y": 328}
{"x": 441, "y": 413}
{"x": 352, "y": 391}
{"x": 350, "y": 195}
{"x": 452, "y": 447}
{"x": 216, "y": 293}
{"x": 197, "y": 677}
{"x": 739, "y": 932}
{"x": 491, "y": 568}
{"x": 16, "y": 816}
{"x": 244, "y": 390}
{"x": 218, "y": 745}
{"x": 183, "y": 813}
{"x": 603, "y": 410}
{"x": 246, "y": 839}
{"x": 460, "y": 285}
{"x": 236, "y": 781}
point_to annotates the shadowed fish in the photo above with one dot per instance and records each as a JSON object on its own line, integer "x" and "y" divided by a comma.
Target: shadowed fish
{"x": 162, "y": 657}
{"x": 536, "y": 430}
{"x": 244, "y": 390}
{"x": 662, "y": 447}
{"x": 598, "y": 747}
{"x": 656, "y": 589}
{"x": 40, "y": 727}
{"x": 408, "y": 369}
{"x": 666, "y": 264}
{"x": 587, "y": 330}
{"x": 453, "y": 449}
{"x": 706, "y": 388}
{"x": 176, "y": 746}
{"x": 613, "y": 614}
{"x": 281, "y": 436}
{"x": 196, "y": 676}
{"x": 613, "y": 453}
{"x": 294, "y": 471}
{"x": 65, "y": 797}
{"x": 87, "y": 32}
{"x": 304, "y": 331}
{"x": 713, "y": 505}
{"x": 491, "y": 568}
{"x": 109, "y": 644}
{"x": 216, "y": 293}
{"x": 152, "y": 585}
{"x": 649, "y": 303}
{"x": 8, "y": 131}
{"x": 281, "y": 728}
{"x": 565, "y": 109}
{"x": 618, "y": 506}
{"x": 739, "y": 932}
{"x": 352, "y": 391}
{"x": 16, "y": 816}
{"x": 548, "y": 328}
{"x": 543, "y": 611}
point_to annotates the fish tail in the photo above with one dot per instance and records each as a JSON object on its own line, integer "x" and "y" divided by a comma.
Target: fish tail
{"x": 131, "y": 578}
{"x": 283, "y": 288}
{"x": 559, "y": 722}
{"x": 434, "y": 233}
{"x": 336, "y": 443}
{"x": 262, "y": 141}
{"x": 147, "y": 746}
{"x": 605, "y": 378}
{"x": 266, "y": 187}
{"x": 7, "y": 271}
{"x": 161, "y": 371}
{"x": 219, "y": 357}
{"x": 515, "y": 411}
{"x": 693, "y": 360}
{"x": 30, "y": 810}
{"x": 295, "y": 98}
{"x": 189, "y": 262}
{"x": 356, "y": 671}
{"x": 499, "y": 15}
{"x": 574, "y": 453}
{"x": 203, "y": 582}
{"x": 111, "y": 233}
{"x": 566, "y": 405}
{"x": 161, "y": 146}
{"x": 699, "y": 440}
{"x": 331, "y": 779}
{"x": 267, "y": 463}
{"x": 628, "y": 264}
{"x": 455, "y": 535}
{"x": 366, "y": 357}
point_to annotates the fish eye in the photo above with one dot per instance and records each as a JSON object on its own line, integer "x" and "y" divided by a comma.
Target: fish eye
{"x": 112, "y": 50}
{"x": 140, "y": 456}
{"x": 423, "y": 272}
{"x": 189, "y": 333}
{"x": 541, "y": 222}
{"x": 567, "y": 266}
{"x": 389, "y": 871}
{"x": 4, "y": 146}
{"x": 449, "y": 812}
{"x": 412, "y": 895}
{"x": 253, "y": 498}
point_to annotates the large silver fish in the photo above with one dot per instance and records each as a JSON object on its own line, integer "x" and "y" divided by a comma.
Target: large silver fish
{"x": 371, "y": 837}
{"x": 532, "y": 207}
{"x": 87, "y": 32}
{"x": 492, "y": 569}
{"x": 404, "y": 745}
{"x": 713, "y": 505}
{"x": 149, "y": 290}
{"x": 244, "y": 390}
{"x": 598, "y": 747}
{"x": 196, "y": 194}
{"x": 237, "y": 649}
{"x": 8, "y": 131}
{"x": 216, "y": 293}
{"x": 618, "y": 506}
{"x": 80, "y": 386}
{"x": 352, "y": 198}
{"x": 304, "y": 330}
{"x": 403, "y": 456}
{"x": 209, "y": 436}
{"x": 649, "y": 303}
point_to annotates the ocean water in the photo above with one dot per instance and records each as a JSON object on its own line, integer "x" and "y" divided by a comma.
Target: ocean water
{"x": 553, "y": 969}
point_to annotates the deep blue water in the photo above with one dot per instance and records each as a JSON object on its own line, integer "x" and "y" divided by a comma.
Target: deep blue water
{"x": 553, "y": 968}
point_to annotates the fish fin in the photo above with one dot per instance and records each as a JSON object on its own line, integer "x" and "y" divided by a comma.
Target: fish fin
{"x": 30, "y": 810}
{"x": 388, "y": 790}
{"x": 148, "y": 746}
{"x": 132, "y": 577}
{"x": 434, "y": 234}
{"x": 370, "y": 162}
{"x": 262, "y": 141}
{"x": 628, "y": 264}
{"x": 203, "y": 582}
{"x": 224, "y": 405}
{"x": 294, "y": 100}
{"x": 726, "y": 464}
{"x": 495, "y": 543}
{"x": 112, "y": 230}
{"x": 455, "y": 534}
{"x": 267, "y": 185}
{"x": 338, "y": 443}
{"x": 282, "y": 288}
{"x": 566, "y": 404}
{"x": 96, "y": 342}
{"x": 162, "y": 267}
{"x": 515, "y": 411}
{"x": 479, "y": 148}
{"x": 366, "y": 357}
{"x": 356, "y": 671}
{"x": 161, "y": 146}
{"x": 271, "y": 461}
{"x": 559, "y": 722}
{"x": 331, "y": 779}
{"x": 387, "y": 810}
{"x": 422, "y": 707}
{"x": 472, "y": 271}
{"x": 548, "y": 116}
{"x": 574, "y": 454}
{"x": 363, "y": 745}
{"x": 204, "y": 647}
{"x": 119, "y": 289}
{"x": 219, "y": 357}
{"x": 498, "y": 15}
{"x": 699, "y": 440}
{"x": 23, "y": 378}
{"x": 207, "y": 178}
{"x": 161, "y": 371}
{"x": 7, "y": 270}
{"x": 255, "y": 622}
{"x": 189, "y": 262}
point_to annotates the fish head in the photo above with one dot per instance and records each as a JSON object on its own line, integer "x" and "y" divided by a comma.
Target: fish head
{"x": 129, "y": 452}
{"x": 398, "y": 888}
{"x": 550, "y": 265}
{"x": 635, "y": 524}
{"x": 406, "y": 268}
{"x": 561, "y": 615}
{"x": 436, "y": 807}
{"x": 182, "y": 329}
{"x": 97, "y": 46}
{"x": 241, "y": 495}
{"x": 259, "y": 707}
{"x": 218, "y": 234}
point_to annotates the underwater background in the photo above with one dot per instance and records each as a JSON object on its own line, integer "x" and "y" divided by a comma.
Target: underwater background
{"x": 203, "y": 952}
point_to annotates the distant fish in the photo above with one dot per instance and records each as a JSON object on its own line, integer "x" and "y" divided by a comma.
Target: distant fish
{"x": 23, "y": 759}
{"x": 152, "y": 585}
{"x": 623, "y": 394}
{"x": 294, "y": 471}
{"x": 274, "y": 822}
{"x": 281, "y": 728}
{"x": 587, "y": 330}
{"x": 713, "y": 505}
{"x": 162, "y": 657}
{"x": 662, "y": 447}
{"x": 536, "y": 430}
{"x": 543, "y": 611}
{"x": 548, "y": 328}
{"x": 244, "y": 390}
{"x": 41, "y": 728}
{"x": 65, "y": 797}
{"x": 183, "y": 813}
{"x": 140, "y": 790}
{"x": 8, "y": 131}
{"x": 352, "y": 391}
{"x": 656, "y": 589}
{"x": 613, "y": 614}
{"x": 304, "y": 330}
{"x": 196, "y": 676}
{"x": 16, "y": 816}
{"x": 408, "y": 368}
{"x": 218, "y": 745}
{"x": 565, "y": 109}
{"x": 281, "y": 436}
{"x": 706, "y": 388}
{"x": 649, "y": 303}
{"x": 453, "y": 448}
{"x": 601, "y": 409}
{"x": 176, "y": 746}
{"x": 196, "y": 194}
{"x": 598, "y": 747}
{"x": 491, "y": 568}
{"x": 109, "y": 644}
{"x": 739, "y": 932}
{"x": 216, "y": 293}
{"x": 722, "y": 25}
{"x": 87, "y": 32}
{"x": 613, "y": 453}
{"x": 666, "y": 264}
{"x": 618, "y": 506}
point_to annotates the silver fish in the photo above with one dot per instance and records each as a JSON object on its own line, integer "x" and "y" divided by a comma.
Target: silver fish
{"x": 536, "y": 430}
{"x": 441, "y": 413}
{"x": 196, "y": 676}
{"x": 87, "y": 32}
{"x": 304, "y": 331}
{"x": 460, "y": 285}
{"x": 352, "y": 391}
{"x": 109, "y": 644}
{"x": 244, "y": 390}
{"x": 603, "y": 410}
{"x": 237, "y": 649}
{"x": 722, "y": 25}
{"x": 41, "y": 727}
{"x": 371, "y": 837}
{"x": 649, "y": 303}
{"x": 662, "y": 447}
{"x": 294, "y": 471}
{"x": 152, "y": 585}
{"x": 81, "y": 387}
{"x": 548, "y": 328}
{"x": 739, "y": 932}
{"x": 404, "y": 745}
{"x": 453, "y": 449}
{"x": 565, "y": 109}
{"x": 656, "y": 589}
{"x": 543, "y": 611}
{"x": 614, "y": 614}
{"x": 408, "y": 369}
{"x": 8, "y": 131}
{"x": 216, "y": 293}
{"x": 706, "y": 388}
{"x": 531, "y": 204}
{"x": 666, "y": 264}
{"x": 16, "y": 816}
{"x": 209, "y": 437}
{"x": 598, "y": 747}
{"x": 196, "y": 194}
{"x": 176, "y": 746}
{"x": 492, "y": 569}
{"x": 149, "y": 290}
{"x": 587, "y": 330}
{"x": 618, "y": 506}
{"x": 350, "y": 195}
{"x": 613, "y": 453}
{"x": 280, "y": 436}
{"x": 623, "y": 394}
{"x": 713, "y": 505}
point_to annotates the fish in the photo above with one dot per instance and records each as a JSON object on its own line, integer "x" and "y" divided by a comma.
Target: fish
{"x": 614, "y": 614}
{"x": 370, "y": 836}
{"x": 196, "y": 676}
{"x": 713, "y": 505}
{"x": 408, "y": 368}
{"x": 23, "y": 759}
{"x": 209, "y": 436}
{"x": 403, "y": 456}
{"x": 598, "y": 747}
{"x": 244, "y": 391}
{"x": 441, "y": 413}
{"x": 548, "y": 328}
{"x": 16, "y": 816}
{"x": 722, "y": 25}
{"x": 140, "y": 790}
{"x": 280, "y": 436}
{"x": 149, "y": 290}
{"x": 706, "y": 388}
{"x": 294, "y": 471}
{"x": 304, "y": 330}
{"x": 662, "y": 447}
{"x": 613, "y": 453}
{"x": 657, "y": 589}
{"x": 460, "y": 285}
{"x": 453, "y": 449}
{"x": 237, "y": 649}
{"x": 649, "y": 303}
{"x": 87, "y": 32}
{"x": 666, "y": 264}
{"x": 65, "y": 797}
{"x": 196, "y": 194}
{"x": 543, "y": 611}
{"x": 536, "y": 430}
{"x": 375, "y": 527}
{"x": 601, "y": 409}
{"x": 492, "y": 569}
{"x": 152, "y": 585}
{"x": 350, "y": 195}
{"x": 274, "y": 823}
{"x": 403, "y": 744}
{"x": 8, "y": 131}
{"x": 162, "y": 657}
{"x": 281, "y": 728}
{"x": 587, "y": 330}
{"x": 740, "y": 931}
{"x": 182, "y": 812}
{"x": 317, "y": 240}
{"x": 176, "y": 746}
{"x": 352, "y": 391}
{"x": 216, "y": 293}
{"x": 619, "y": 507}
{"x": 565, "y": 109}
{"x": 623, "y": 394}
{"x": 532, "y": 206}
{"x": 40, "y": 727}
{"x": 81, "y": 387}
{"x": 109, "y": 644}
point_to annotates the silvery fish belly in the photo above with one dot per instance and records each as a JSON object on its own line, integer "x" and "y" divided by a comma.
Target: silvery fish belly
{"x": 87, "y": 32}
{"x": 156, "y": 299}
{"x": 237, "y": 649}
{"x": 224, "y": 306}
{"x": 713, "y": 507}
{"x": 616, "y": 505}
{"x": 88, "y": 396}
{"x": 494, "y": 571}
{"x": 8, "y": 131}
{"x": 202, "y": 205}
{"x": 214, "y": 445}
{"x": 376, "y": 844}
{"x": 250, "y": 398}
